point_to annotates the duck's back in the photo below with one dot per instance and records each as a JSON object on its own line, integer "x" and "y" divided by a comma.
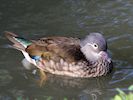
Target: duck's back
{"x": 56, "y": 48}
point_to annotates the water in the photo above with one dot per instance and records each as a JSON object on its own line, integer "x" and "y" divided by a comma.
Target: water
{"x": 33, "y": 19}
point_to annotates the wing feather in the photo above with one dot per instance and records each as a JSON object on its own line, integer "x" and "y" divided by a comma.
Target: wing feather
{"x": 57, "y": 48}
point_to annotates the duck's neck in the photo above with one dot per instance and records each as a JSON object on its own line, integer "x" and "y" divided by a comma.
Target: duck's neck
{"x": 89, "y": 55}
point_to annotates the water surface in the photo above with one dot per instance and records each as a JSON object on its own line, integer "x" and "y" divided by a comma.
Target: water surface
{"x": 34, "y": 19}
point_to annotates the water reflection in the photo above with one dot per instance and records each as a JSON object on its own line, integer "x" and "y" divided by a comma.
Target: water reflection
{"x": 78, "y": 89}
{"x": 5, "y": 77}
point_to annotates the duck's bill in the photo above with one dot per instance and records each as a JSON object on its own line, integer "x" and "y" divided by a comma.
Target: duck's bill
{"x": 105, "y": 56}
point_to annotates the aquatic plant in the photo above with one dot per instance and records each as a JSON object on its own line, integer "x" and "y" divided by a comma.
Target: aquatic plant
{"x": 123, "y": 96}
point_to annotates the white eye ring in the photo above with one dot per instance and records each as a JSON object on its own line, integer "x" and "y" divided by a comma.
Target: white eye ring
{"x": 95, "y": 45}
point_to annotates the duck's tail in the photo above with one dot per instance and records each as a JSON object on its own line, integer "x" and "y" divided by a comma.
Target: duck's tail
{"x": 19, "y": 42}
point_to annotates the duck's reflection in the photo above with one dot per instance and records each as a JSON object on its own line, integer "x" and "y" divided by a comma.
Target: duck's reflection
{"x": 55, "y": 87}
{"x": 73, "y": 88}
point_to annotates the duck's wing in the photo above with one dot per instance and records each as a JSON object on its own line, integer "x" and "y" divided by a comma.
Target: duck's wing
{"x": 48, "y": 48}
{"x": 56, "y": 48}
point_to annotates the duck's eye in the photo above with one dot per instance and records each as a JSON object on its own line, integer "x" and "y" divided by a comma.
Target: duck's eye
{"x": 95, "y": 45}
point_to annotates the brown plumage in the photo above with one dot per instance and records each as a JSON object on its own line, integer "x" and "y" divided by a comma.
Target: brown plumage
{"x": 64, "y": 56}
{"x": 57, "y": 47}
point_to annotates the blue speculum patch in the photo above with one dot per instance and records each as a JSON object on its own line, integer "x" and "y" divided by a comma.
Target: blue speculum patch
{"x": 35, "y": 57}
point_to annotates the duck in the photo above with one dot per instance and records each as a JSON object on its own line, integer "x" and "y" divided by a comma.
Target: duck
{"x": 67, "y": 56}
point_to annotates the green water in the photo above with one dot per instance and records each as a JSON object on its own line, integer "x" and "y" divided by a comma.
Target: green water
{"x": 38, "y": 18}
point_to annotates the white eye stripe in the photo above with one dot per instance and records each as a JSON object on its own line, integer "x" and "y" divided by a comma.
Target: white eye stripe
{"x": 94, "y": 45}
{"x": 89, "y": 44}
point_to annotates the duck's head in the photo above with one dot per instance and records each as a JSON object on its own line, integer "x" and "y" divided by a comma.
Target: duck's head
{"x": 94, "y": 46}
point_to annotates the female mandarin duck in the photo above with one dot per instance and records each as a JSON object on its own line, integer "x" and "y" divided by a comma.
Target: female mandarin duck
{"x": 66, "y": 56}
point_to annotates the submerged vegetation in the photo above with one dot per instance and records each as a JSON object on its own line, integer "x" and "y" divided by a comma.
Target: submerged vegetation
{"x": 45, "y": 98}
{"x": 124, "y": 96}
{"x": 120, "y": 96}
